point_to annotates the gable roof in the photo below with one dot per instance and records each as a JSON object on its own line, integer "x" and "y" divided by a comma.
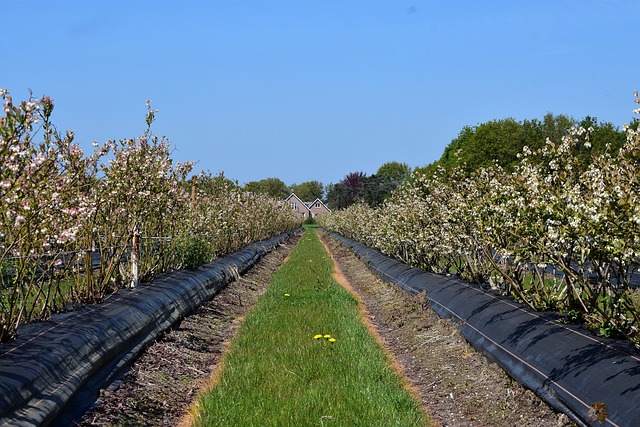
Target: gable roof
{"x": 321, "y": 202}
{"x": 293, "y": 195}
{"x": 307, "y": 205}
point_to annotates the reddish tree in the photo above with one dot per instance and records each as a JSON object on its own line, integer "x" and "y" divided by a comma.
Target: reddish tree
{"x": 353, "y": 182}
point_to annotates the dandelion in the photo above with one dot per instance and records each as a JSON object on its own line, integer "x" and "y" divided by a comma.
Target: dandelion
{"x": 287, "y": 295}
{"x": 332, "y": 340}
{"x": 317, "y": 337}
{"x": 327, "y": 336}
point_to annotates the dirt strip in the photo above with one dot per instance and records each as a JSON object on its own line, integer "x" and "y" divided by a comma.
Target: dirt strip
{"x": 164, "y": 381}
{"x": 457, "y": 385}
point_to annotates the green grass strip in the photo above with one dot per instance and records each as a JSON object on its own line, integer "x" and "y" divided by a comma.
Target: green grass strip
{"x": 277, "y": 374}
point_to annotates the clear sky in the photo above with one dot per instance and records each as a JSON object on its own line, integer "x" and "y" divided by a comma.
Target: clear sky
{"x": 314, "y": 89}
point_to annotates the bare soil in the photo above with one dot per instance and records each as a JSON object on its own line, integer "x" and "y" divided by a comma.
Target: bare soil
{"x": 456, "y": 385}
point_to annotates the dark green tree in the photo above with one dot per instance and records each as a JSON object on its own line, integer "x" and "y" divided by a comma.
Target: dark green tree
{"x": 378, "y": 187}
{"x": 394, "y": 171}
{"x": 375, "y": 190}
{"x": 500, "y": 141}
{"x": 603, "y": 134}
{"x": 337, "y": 196}
{"x": 273, "y": 187}
{"x": 309, "y": 191}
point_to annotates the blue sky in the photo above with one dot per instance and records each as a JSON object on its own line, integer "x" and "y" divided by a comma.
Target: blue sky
{"x": 314, "y": 89}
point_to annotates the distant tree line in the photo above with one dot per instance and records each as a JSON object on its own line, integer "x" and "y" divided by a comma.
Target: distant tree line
{"x": 354, "y": 187}
{"x": 495, "y": 142}
{"x": 276, "y": 188}
{"x": 372, "y": 190}
{"x": 501, "y": 141}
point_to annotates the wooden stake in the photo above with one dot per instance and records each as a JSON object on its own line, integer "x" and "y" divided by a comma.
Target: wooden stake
{"x": 135, "y": 256}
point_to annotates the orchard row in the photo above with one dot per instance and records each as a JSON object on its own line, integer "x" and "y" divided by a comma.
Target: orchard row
{"x": 554, "y": 234}
{"x": 67, "y": 219}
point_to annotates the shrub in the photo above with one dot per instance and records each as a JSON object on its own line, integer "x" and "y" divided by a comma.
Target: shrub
{"x": 191, "y": 252}
{"x": 67, "y": 219}
{"x": 554, "y": 234}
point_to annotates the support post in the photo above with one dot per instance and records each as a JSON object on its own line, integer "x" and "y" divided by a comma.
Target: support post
{"x": 88, "y": 269}
{"x": 194, "y": 180}
{"x": 135, "y": 256}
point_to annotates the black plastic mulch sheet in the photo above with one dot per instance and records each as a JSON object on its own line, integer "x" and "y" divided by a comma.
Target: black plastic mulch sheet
{"x": 579, "y": 374}
{"x": 54, "y": 369}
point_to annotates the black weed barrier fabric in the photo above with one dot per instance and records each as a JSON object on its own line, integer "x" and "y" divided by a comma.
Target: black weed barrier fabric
{"x": 582, "y": 375}
{"x": 54, "y": 370}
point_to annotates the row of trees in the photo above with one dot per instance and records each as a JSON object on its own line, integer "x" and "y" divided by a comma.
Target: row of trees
{"x": 354, "y": 187}
{"x": 558, "y": 229}
{"x": 494, "y": 142}
{"x": 67, "y": 219}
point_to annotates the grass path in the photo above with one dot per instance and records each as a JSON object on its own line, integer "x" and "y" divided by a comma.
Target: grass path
{"x": 280, "y": 370}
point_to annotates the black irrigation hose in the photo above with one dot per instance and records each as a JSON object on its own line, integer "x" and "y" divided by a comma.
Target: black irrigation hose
{"x": 54, "y": 369}
{"x": 577, "y": 373}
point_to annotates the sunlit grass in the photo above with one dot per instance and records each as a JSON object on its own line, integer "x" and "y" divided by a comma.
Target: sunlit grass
{"x": 306, "y": 358}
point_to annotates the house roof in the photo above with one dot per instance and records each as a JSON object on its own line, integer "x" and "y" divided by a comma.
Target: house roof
{"x": 294, "y": 195}
{"x": 308, "y": 205}
{"x": 318, "y": 200}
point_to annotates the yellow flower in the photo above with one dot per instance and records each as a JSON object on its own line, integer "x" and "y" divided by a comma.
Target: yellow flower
{"x": 327, "y": 336}
{"x": 332, "y": 340}
{"x": 287, "y": 295}
{"x": 317, "y": 337}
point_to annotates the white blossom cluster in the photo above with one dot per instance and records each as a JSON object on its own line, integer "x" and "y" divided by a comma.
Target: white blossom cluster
{"x": 553, "y": 233}
{"x": 59, "y": 206}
